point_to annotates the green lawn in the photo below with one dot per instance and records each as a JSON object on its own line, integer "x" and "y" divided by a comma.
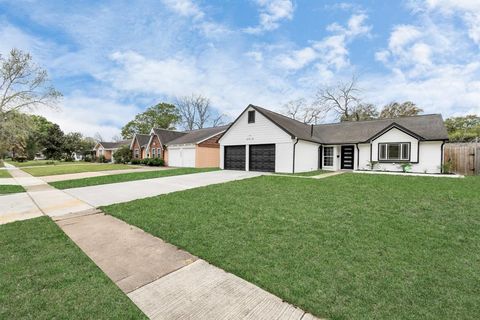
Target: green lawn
{"x": 44, "y": 275}
{"x": 75, "y": 168}
{"x": 6, "y": 189}
{"x": 4, "y": 174}
{"x": 307, "y": 174}
{"x": 33, "y": 163}
{"x": 351, "y": 246}
{"x": 115, "y": 178}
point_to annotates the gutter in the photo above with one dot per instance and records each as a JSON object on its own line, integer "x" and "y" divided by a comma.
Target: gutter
{"x": 441, "y": 157}
{"x": 294, "y": 145}
{"x": 358, "y": 155}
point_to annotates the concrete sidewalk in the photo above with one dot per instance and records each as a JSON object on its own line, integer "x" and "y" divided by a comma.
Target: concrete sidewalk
{"x": 166, "y": 282}
{"x": 48, "y": 200}
{"x": 126, "y": 191}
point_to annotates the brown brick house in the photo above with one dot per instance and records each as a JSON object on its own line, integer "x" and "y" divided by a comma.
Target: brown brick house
{"x": 107, "y": 149}
{"x": 196, "y": 148}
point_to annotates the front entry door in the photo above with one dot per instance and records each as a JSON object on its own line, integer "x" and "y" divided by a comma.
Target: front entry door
{"x": 347, "y": 157}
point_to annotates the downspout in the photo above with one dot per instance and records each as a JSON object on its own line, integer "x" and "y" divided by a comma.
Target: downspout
{"x": 441, "y": 157}
{"x": 358, "y": 155}
{"x": 294, "y": 145}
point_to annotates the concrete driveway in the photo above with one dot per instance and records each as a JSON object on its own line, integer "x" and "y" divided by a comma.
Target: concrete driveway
{"x": 127, "y": 191}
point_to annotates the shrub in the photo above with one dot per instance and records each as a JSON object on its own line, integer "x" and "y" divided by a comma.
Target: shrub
{"x": 136, "y": 161}
{"x": 102, "y": 159}
{"x": 406, "y": 167}
{"x": 87, "y": 158}
{"x": 20, "y": 159}
{"x": 123, "y": 155}
{"x": 447, "y": 167}
{"x": 153, "y": 162}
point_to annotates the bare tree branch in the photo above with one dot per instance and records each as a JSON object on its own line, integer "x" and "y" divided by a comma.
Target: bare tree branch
{"x": 342, "y": 99}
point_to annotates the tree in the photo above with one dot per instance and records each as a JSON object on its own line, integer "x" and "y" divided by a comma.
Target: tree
{"x": 362, "y": 112}
{"x": 463, "y": 129}
{"x": 15, "y": 128}
{"x": 300, "y": 110}
{"x": 196, "y": 112}
{"x": 123, "y": 155}
{"x": 395, "y": 110}
{"x": 72, "y": 143}
{"x": 38, "y": 133}
{"x": 53, "y": 143}
{"x": 342, "y": 99}
{"x": 162, "y": 115}
{"x": 23, "y": 84}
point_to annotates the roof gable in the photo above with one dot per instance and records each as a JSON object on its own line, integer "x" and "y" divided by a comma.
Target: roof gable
{"x": 199, "y": 135}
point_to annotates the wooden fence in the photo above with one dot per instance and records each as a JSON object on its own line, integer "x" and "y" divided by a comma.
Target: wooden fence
{"x": 465, "y": 157}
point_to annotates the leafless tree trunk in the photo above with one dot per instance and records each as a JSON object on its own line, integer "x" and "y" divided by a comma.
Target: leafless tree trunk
{"x": 186, "y": 107}
{"x": 300, "y": 110}
{"x": 342, "y": 99}
{"x": 197, "y": 112}
{"x": 24, "y": 85}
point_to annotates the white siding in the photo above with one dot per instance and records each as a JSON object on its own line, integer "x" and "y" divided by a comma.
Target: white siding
{"x": 336, "y": 160}
{"x": 263, "y": 131}
{"x": 430, "y": 157}
{"x": 364, "y": 157}
{"x": 181, "y": 156}
{"x": 395, "y": 135}
{"x": 306, "y": 156}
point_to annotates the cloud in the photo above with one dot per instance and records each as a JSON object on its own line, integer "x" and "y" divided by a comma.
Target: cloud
{"x": 272, "y": 12}
{"x": 331, "y": 51}
{"x": 185, "y": 8}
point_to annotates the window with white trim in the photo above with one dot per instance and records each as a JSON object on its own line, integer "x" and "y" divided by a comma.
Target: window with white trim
{"x": 153, "y": 152}
{"x": 159, "y": 152}
{"x": 328, "y": 156}
{"x": 137, "y": 153}
{"x": 394, "y": 151}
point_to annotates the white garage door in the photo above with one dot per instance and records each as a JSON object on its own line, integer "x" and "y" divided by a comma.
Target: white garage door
{"x": 181, "y": 157}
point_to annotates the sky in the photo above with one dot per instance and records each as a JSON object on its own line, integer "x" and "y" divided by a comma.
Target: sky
{"x": 113, "y": 59}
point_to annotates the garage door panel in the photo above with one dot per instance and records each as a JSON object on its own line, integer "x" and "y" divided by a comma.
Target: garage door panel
{"x": 262, "y": 158}
{"x": 234, "y": 158}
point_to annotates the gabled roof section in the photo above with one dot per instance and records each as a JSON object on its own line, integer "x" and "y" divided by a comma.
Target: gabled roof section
{"x": 196, "y": 136}
{"x": 166, "y": 136}
{"x": 423, "y": 127}
{"x": 142, "y": 139}
{"x": 114, "y": 145}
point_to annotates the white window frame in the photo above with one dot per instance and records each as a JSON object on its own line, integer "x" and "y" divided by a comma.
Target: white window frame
{"x": 159, "y": 152}
{"x": 136, "y": 153}
{"x": 153, "y": 152}
{"x": 384, "y": 156}
{"x": 332, "y": 156}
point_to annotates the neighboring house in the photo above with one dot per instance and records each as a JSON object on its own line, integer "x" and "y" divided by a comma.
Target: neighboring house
{"x": 77, "y": 156}
{"x": 139, "y": 145}
{"x": 262, "y": 140}
{"x": 196, "y": 148}
{"x": 107, "y": 149}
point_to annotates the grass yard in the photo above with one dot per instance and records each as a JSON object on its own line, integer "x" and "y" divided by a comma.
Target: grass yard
{"x": 6, "y": 189}
{"x": 4, "y": 174}
{"x": 75, "y": 168}
{"x": 307, "y": 174}
{"x": 34, "y": 163}
{"x": 351, "y": 246}
{"x": 46, "y": 276}
{"x": 115, "y": 178}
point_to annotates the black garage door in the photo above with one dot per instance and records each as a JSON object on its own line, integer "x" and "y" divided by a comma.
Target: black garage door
{"x": 234, "y": 158}
{"x": 262, "y": 157}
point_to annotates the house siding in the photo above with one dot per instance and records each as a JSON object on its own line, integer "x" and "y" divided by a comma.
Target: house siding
{"x": 262, "y": 131}
{"x": 207, "y": 157}
{"x": 154, "y": 144}
{"x": 306, "y": 156}
{"x": 182, "y": 156}
{"x": 396, "y": 135}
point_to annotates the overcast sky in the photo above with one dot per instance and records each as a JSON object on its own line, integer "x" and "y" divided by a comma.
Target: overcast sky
{"x": 112, "y": 59}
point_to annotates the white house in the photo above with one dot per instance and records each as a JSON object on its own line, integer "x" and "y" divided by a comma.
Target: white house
{"x": 262, "y": 140}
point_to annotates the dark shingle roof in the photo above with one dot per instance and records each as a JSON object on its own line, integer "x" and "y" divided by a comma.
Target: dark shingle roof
{"x": 115, "y": 145}
{"x": 293, "y": 127}
{"x": 167, "y": 135}
{"x": 428, "y": 127}
{"x": 142, "y": 139}
{"x": 198, "y": 135}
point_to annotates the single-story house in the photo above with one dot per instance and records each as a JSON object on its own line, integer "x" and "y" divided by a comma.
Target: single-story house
{"x": 263, "y": 140}
{"x": 193, "y": 148}
{"x": 139, "y": 145}
{"x": 107, "y": 149}
{"x": 198, "y": 148}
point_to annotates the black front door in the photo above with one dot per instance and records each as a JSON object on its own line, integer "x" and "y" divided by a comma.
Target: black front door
{"x": 347, "y": 157}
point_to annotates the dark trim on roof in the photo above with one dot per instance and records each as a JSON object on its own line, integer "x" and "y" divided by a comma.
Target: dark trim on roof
{"x": 397, "y": 126}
